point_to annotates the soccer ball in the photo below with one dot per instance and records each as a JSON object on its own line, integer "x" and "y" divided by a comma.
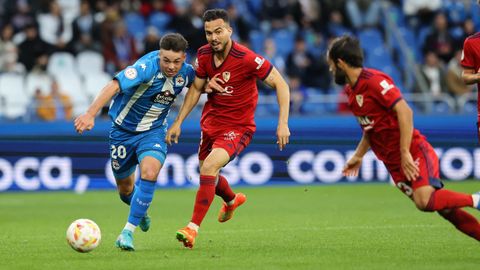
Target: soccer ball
{"x": 83, "y": 235}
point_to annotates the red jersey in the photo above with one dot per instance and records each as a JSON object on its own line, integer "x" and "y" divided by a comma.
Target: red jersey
{"x": 240, "y": 71}
{"x": 471, "y": 57}
{"x": 371, "y": 100}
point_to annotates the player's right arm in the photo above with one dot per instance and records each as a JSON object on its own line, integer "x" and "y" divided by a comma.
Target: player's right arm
{"x": 191, "y": 99}
{"x": 86, "y": 121}
{"x": 352, "y": 167}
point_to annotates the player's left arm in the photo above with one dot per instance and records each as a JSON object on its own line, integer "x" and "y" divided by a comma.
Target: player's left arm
{"x": 275, "y": 80}
{"x": 405, "y": 123}
{"x": 470, "y": 76}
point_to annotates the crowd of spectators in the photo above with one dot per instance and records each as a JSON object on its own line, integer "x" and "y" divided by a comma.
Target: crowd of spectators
{"x": 292, "y": 34}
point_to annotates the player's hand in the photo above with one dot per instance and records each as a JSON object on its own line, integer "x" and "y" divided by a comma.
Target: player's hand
{"x": 352, "y": 167}
{"x": 283, "y": 135}
{"x": 410, "y": 168}
{"x": 214, "y": 85}
{"x": 84, "y": 122}
{"x": 173, "y": 133}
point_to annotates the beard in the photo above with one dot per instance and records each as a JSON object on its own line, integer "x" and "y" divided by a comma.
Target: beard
{"x": 340, "y": 77}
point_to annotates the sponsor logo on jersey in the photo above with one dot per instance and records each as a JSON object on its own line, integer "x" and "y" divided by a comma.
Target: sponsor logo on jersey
{"x": 359, "y": 99}
{"x": 226, "y": 76}
{"x": 259, "y": 61}
{"x": 386, "y": 86}
{"x": 130, "y": 73}
{"x": 165, "y": 98}
{"x": 365, "y": 122}
{"x": 179, "y": 81}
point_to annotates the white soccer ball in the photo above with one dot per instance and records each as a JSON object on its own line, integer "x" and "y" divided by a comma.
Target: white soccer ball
{"x": 83, "y": 235}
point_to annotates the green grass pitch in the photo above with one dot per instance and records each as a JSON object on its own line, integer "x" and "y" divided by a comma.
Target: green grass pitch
{"x": 370, "y": 226}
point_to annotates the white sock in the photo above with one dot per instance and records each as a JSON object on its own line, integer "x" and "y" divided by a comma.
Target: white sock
{"x": 476, "y": 199}
{"x": 231, "y": 202}
{"x": 193, "y": 226}
{"x": 130, "y": 227}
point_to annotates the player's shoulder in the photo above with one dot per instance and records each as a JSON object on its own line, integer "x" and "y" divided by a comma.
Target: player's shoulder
{"x": 473, "y": 38}
{"x": 204, "y": 51}
{"x": 239, "y": 51}
{"x": 148, "y": 63}
{"x": 374, "y": 77}
{"x": 187, "y": 69}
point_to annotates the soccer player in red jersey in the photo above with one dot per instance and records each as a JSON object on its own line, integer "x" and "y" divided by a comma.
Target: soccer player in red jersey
{"x": 471, "y": 67}
{"x": 227, "y": 121}
{"x": 387, "y": 124}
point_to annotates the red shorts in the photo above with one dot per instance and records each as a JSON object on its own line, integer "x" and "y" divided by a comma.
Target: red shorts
{"x": 427, "y": 160}
{"x": 233, "y": 140}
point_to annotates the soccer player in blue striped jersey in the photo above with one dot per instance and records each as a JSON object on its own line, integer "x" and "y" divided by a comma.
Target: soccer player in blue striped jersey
{"x": 142, "y": 96}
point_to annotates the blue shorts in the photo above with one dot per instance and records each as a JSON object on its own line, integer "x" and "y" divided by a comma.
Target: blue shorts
{"x": 127, "y": 149}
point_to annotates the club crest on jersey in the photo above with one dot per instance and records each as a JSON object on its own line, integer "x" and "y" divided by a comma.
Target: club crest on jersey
{"x": 179, "y": 81}
{"x": 226, "y": 76}
{"x": 359, "y": 100}
{"x": 115, "y": 164}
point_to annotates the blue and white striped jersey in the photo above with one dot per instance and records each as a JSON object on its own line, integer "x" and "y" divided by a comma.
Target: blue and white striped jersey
{"x": 146, "y": 94}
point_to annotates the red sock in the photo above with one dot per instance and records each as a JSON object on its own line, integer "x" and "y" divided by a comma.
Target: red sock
{"x": 463, "y": 221}
{"x": 446, "y": 199}
{"x": 205, "y": 195}
{"x": 223, "y": 189}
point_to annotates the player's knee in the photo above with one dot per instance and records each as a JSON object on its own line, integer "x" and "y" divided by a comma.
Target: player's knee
{"x": 148, "y": 174}
{"x": 422, "y": 203}
{"x": 124, "y": 189}
{"x": 209, "y": 168}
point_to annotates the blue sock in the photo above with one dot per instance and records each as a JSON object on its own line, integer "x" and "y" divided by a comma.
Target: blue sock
{"x": 141, "y": 201}
{"x": 128, "y": 198}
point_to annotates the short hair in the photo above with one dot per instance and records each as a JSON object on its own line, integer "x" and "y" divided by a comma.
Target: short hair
{"x": 348, "y": 49}
{"x": 174, "y": 42}
{"x": 214, "y": 14}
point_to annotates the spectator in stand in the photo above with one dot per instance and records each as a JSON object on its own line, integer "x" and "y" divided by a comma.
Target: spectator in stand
{"x": 239, "y": 25}
{"x": 9, "y": 52}
{"x": 420, "y": 12}
{"x": 22, "y": 15}
{"x": 279, "y": 15}
{"x": 434, "y": 73}
{"x": 151, "y": 40}
{"x": 31, "y": 48}
{"x": 120, "y": 51}
{"x": 364, "y": 13}
{"x": 297, "y": 95}
{"x": 55, "y": 106}
{"x": 272, "y": 56}
{"x": 86, "y": 32}
{"x": 336, "y": 26}
{"x": 299, "y": 60}
{"x": 440, "y": 40}
{"x": 455, "y": 84}
{"x": 54, "y": 29}
{"x": 188, "y": 22}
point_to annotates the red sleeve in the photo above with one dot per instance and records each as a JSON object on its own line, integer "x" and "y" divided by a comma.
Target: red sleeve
{"x": 384, "y": 91}
{"x": 200, "y": 69}
{"x": 468, "y": 57}
{"x": 258, "y": 66}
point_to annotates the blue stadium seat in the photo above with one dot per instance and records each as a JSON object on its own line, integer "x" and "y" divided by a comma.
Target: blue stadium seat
{"x": 135, "y": 25}
{"x": 455, "y": 11}
{"x": 257, "y": 40}
{"x": 474, "y": 11}
{"x": 284, "y": 39}
{"x": 160, "y": 21}
{"x": 370, "y": 39}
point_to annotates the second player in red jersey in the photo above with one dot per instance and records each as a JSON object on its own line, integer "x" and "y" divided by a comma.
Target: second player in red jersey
{"x": 387, "y": 124}
{"x": 471, "y": 67}
{"x": 228, "y": 116}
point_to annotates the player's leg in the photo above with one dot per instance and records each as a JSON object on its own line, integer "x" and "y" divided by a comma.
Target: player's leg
{"x": 231, "y": 200}
{"x": 149, "y": 168}
{"x": 217, "y": 158}
{"x": 429, "y": 195}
